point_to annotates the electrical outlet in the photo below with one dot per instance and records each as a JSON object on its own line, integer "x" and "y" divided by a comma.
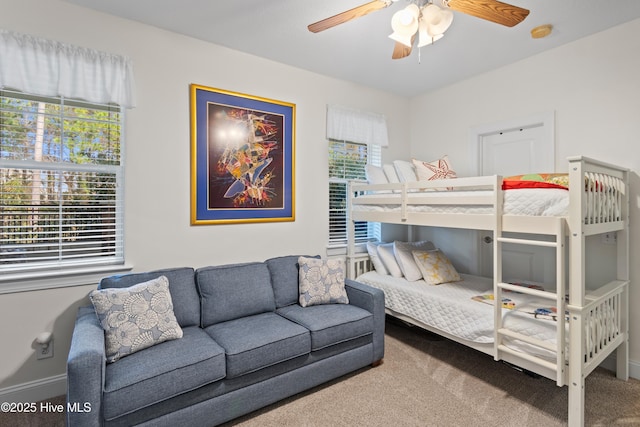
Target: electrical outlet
{"x": 610, "y": 238}
{"x": 44, "y": 352}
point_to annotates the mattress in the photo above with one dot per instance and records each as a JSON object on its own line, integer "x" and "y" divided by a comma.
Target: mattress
{"x": 450, "y": 307}
{"x": 529, "y": 201}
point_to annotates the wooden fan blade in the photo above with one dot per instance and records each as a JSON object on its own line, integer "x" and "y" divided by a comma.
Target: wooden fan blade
{"x": 348, "y": 15}
{"x": 491, "y": 10}
{"x": 401, "y": 50}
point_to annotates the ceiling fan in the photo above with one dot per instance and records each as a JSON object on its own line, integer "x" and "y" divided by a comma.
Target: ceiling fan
{"x": 427, "y": 20}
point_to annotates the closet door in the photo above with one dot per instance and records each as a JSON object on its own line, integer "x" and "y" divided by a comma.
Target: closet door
{"x": 516, "y": 151}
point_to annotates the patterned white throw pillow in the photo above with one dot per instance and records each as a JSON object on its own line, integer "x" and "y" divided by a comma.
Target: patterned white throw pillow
{"x": 136, "y": 317}
{"x": 435, "y": 267}
{"x": 321, "y": 282}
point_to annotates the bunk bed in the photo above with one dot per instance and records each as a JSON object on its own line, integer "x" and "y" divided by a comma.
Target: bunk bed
{"x": 595, "y": 321}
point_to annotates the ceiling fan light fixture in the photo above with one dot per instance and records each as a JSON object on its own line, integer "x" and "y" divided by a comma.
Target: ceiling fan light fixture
{"x": 402, "y": 38}
{"x": 405, "y": 24}
{"x": 431, "y": 13}
{"x": 426, "y": 39}
{"x": 437, "y": 20}
{"x": 406, "y": 19}
{"x": 413, "y": 10}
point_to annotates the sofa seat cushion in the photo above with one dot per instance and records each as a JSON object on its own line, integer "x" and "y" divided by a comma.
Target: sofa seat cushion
{"x": 160, "y": 372}
{"x": 255, "y": 342}
{"x": 330, "y": 324}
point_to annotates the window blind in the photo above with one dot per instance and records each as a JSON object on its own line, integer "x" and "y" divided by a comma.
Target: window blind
{"x": 60, "y": 182}
{"x": 347, "y": 162}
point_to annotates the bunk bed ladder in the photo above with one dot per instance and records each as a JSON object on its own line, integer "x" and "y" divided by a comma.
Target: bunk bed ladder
{"x": 556, "y": 299}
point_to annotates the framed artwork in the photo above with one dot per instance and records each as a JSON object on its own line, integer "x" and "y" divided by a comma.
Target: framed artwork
{"x": 242, "y": 158}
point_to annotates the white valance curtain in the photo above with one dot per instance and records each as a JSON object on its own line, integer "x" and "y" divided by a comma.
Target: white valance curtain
{"x": 346, "y": 124}
{"x": 49, "y": 68}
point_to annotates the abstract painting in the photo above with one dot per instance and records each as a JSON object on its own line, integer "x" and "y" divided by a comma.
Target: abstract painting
{"x": 242, "y": 158}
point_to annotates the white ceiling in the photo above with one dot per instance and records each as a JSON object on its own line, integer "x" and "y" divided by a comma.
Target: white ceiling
{"x": 360, "y": 50}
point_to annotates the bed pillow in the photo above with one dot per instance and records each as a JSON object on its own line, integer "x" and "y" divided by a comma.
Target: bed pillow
{"x": 388, "y": 258}
{"x": 402, "y": 252}
{"x": 375, "y": 175}
{"x": 321, "y": 281}
{"x": 435, "y": 267}
{"x": 378, "y": 265}
{"x": 390, "y": 172}
{"x": 405, "y": 170}
{"x": 437, "y": 169}
{"x": 536, "y": 180}
{"x": 136, "y": 317}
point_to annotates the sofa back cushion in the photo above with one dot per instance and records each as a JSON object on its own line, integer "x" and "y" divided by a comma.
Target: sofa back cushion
{"x": 182, "y": 286}
{"x": 229, "y": 292}
{"x": 284, "y": 277}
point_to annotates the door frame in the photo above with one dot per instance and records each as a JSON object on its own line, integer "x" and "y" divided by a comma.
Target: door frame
{"x": 476, "y": 133}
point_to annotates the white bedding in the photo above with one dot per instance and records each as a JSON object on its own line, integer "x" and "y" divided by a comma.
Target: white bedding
{"x": 449, "y": 307}
{"x": 526, "y": 201}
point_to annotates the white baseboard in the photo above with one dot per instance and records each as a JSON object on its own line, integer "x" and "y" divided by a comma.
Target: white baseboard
{"x": 634, "y": 366}
{"x": 35, "y": 391}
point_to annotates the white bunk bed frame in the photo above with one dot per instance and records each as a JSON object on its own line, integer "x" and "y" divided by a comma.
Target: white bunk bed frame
{"x": 598, "y": 319}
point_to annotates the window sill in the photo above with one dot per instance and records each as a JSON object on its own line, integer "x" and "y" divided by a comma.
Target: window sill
{"x": 58, "y": 278}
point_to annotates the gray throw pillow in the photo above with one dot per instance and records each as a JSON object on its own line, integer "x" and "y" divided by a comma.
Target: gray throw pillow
{"x": 321, "y": 282}
{"x": 136, "y": 317}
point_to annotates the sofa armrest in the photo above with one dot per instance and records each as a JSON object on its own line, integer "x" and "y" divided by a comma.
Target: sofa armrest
{"x": 85, "y": 370}
{"x": 372, "y": 300}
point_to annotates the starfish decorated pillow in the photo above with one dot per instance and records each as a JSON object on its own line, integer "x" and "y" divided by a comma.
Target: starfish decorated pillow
{"x": 437, "y": 169}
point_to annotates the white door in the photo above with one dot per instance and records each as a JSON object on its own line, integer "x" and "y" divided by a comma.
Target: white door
{"x": 515, "y": 151}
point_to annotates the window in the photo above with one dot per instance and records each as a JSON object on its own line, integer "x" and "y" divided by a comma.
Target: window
{"x": 61, "y": 180}
{"x": 347, "y": 161}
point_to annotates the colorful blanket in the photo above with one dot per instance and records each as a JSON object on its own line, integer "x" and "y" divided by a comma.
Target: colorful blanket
{"x": 537, "y": 180}
{"x": 553, "y": 180}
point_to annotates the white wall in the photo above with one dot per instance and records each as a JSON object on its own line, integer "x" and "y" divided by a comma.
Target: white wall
{"x": 590, "y": 84}
{"x": 594, "y": 88}
{"x": 157, "y": 229}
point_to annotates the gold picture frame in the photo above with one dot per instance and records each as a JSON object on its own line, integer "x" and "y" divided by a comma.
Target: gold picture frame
{"x": 242, "y": 158}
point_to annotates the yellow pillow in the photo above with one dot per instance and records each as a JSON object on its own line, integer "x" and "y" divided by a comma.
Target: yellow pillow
{"x": 435, "y": 267}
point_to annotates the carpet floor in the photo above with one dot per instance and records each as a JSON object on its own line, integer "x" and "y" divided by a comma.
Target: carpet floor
{"x": 427, "y": 380}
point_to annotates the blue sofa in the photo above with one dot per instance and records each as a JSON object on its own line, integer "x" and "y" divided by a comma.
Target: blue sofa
{"x": 246, "y": 343}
